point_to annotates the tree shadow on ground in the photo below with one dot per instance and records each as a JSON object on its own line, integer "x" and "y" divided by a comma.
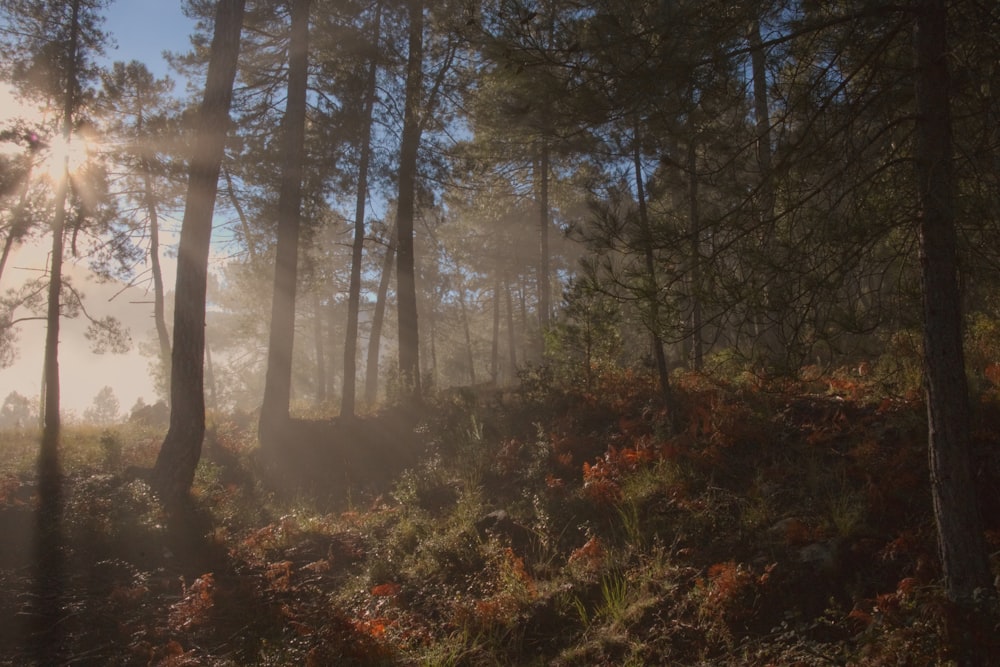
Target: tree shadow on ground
{"x": 331, "y": 459}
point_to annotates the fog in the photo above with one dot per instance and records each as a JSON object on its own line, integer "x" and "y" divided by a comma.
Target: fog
{"x": 82, "y": 373}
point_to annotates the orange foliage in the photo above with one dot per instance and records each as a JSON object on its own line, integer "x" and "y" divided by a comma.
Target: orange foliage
{"x": 386, "y": 590}
{"x": 374, "y": 627}
{"x": 601, "y": 481}
{"x": 731, "y": 590}
{"x": 992, "y": 373}
{"x": 193, "y": 607}
{"x": 279, "y": 575}
{"x": 590, "y": 555}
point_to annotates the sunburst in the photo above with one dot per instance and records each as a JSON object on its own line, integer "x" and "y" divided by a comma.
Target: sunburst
{"x": 66, "y": 156}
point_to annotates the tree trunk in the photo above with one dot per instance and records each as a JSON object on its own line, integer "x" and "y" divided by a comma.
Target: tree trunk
{"x": 211, "y": 389}
{"x": 758, "y": 65}
{"x": 651, "y": 288}
{"x": 470, "y": 357}
{"x": 495, "y": 346}
{"x": 768, "y": 337}
{"x": 278, "y": 381}
{"x": 433, "y": 346}
{"x": 159, "y": 317}
{"x": 48, "y": 461}
{"x": 697, "y": 349}
{"x": 319, "y": 340}
{"x": 19, "y": 222}
{"x": 511, "y": 333}
{"x": 961, "y": 543}
{"x": 348, "y": 398}
{"x": 406, "y": 288}
{"x": 240, "y": 213}
{"x": 544, "y": 283}
{"x": 378, "y": 317}
{"x": 181, "y": 449}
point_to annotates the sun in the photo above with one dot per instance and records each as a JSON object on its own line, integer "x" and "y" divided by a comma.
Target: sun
{"x": 65, "y": 156}
{"x": 55, "y": 154}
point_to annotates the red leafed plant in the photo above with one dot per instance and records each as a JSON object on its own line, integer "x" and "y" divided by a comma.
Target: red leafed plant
{"x": 193, "y": 608}
{"x": 590, "y": 556}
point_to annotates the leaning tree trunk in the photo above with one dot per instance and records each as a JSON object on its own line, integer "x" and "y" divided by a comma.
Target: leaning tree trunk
{"x": 181, "y": 449}
{"x": 378, "y": 318}
{"x": 278, "y": 381}
{"x": 961, "y": 544}
{"x": 159, "y": 317}
{"x": 19, "y": 224}
{"x": 406, "y": 292}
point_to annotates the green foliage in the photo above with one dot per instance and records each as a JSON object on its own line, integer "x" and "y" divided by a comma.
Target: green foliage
{"x": 586, "y": 335}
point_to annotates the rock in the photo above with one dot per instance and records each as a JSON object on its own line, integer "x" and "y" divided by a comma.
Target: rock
{"x": 819, "y": 554}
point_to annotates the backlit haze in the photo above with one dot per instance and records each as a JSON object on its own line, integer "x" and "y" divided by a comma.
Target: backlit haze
{"x": 141, "y": 30}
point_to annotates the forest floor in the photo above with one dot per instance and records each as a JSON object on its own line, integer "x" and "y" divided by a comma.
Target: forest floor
{"x": 756, "y": 524}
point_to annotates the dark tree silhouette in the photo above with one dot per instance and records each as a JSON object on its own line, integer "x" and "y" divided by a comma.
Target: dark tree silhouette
{"x": 181, "y": 449}
{"x": 406, "y": 291}
{"x": 278, "y": 383}
{"x": 961, "y": 541}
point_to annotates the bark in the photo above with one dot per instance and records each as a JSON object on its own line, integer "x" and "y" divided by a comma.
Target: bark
{"x": 181, "y": 449}
{"x": 406, "y": 288}
{"x": 544, "y": 280}
{"x": 767, "y": 337}
{"x": 240, "y": 213}
{"x": 469, "y": 356}
{"x": 433, "y": 346}
{"x": 159, "y": 317}
{"x": 348, "y": 397}
{"x": 211, "y": 389}
{"x": 511, "y": 333}
{"x": 495, "y": 346}
{"x": 762, "y": 122}
{"x": 19, "y": 222}
{"x": 961, "y": 544}
{"x": 318, "y": 340}
{"x": 278, "y": 380}
{"x": 48, "y": 461}
{"x": 378, "y": 318}
{"x": 651, "y": 289}
{"x": 697, "y": 348}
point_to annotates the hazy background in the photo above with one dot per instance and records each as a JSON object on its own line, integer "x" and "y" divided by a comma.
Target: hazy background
{"x": 142, "y": 30}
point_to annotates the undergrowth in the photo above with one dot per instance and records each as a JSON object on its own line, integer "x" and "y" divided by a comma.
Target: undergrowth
{"x": 763, "y": 524}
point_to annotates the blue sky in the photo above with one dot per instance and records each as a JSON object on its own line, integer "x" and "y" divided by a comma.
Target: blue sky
{"x": 143, "y": 29}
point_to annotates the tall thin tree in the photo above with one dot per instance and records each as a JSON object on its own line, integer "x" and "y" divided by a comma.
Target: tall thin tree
{"x": 278, "y": 382}
{"x": 961, "y": 541}
{"x": 181, "y": 449}
{"x": 348, "y": 397}
{"x": 406, "y": 291}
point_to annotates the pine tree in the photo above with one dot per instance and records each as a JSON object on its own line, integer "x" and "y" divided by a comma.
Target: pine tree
{"x": 181, "y": 448}
{"x": 54, "y": 45}
{"x": 277, "y": 388}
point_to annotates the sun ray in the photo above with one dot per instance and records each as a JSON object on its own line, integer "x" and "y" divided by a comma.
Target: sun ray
{"x": 65, "y": 156}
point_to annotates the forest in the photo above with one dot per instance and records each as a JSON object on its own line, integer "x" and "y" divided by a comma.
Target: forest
{"x": 517, "y": 332}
